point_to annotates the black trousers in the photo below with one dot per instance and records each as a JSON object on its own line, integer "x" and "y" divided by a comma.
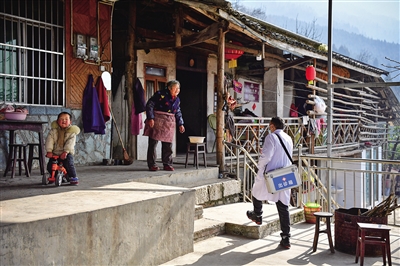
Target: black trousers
{"x": 68, "y": 164}
{"x": 166, "y": 152}
{"x": 283, "y": 212}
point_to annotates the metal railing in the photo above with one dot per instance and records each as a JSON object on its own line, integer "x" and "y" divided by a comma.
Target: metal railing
{"x": 354, "y": 182}
{"x": 347, "y": 133}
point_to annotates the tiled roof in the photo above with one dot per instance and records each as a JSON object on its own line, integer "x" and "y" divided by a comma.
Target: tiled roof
{"x": 285, "y": 36}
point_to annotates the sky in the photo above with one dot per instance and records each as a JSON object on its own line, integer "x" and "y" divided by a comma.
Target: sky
{"x": 377, "y": 19}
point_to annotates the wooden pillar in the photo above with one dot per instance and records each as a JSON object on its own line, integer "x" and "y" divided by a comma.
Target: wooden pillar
{"x": 130, "y": 70}
{"x": 220, "y": 100}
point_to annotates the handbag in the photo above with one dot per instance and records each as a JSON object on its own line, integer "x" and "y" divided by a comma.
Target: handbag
{"x": 282, "y": 178}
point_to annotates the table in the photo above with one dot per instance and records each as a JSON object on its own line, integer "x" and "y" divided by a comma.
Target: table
{"x": 36, "y": 126}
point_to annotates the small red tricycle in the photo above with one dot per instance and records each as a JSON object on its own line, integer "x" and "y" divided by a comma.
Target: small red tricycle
{"x": 58, "y": 172}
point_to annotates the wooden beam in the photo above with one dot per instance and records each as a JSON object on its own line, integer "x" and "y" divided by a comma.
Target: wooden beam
{"x": 252, "y": 72}
{"x": 294, "y": 63}
{"x": 202, "y": 36}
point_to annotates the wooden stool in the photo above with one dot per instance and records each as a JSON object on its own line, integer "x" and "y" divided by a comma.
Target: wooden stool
{"x": 195, "y": 149}
{"x": 373, "y": 234}
{"x": 31, "y": 157}
{"x": 17, "y": 153}
{"x": 328, "y": 216}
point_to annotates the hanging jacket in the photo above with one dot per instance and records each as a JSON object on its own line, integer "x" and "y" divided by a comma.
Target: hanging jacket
{"x": 103, "y": 99}
{"x": 92, "y": 115}
{"x": 138, "y": 97}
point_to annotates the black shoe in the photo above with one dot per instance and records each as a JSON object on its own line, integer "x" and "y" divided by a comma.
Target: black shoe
{"x": 285, "y": 242}
{"x": 254, "y": 217}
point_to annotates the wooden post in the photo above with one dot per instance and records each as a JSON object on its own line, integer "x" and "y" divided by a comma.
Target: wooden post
{"x": 220, "y": 100}
{"x": 131, "y": 71}
{"x": 178, "y": 27}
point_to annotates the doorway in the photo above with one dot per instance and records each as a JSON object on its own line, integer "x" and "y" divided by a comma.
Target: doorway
{"x": 193, "y": 96}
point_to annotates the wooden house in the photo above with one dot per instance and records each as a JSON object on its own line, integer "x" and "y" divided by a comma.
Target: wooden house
{"x": 55, "y": 45}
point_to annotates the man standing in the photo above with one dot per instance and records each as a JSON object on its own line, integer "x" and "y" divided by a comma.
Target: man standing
{"x": 273, "y": 156}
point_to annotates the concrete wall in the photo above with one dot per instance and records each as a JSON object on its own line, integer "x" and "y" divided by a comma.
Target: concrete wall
{"x": 123, "y": 224}
{"x": 273, "y": 92}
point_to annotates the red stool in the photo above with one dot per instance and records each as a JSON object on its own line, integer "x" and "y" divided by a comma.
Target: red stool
{"x": 17, "y": 153}
{"x": 373, "y": 234}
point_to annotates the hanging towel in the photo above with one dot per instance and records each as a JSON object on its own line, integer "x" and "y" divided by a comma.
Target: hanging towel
{"x": 138, "y": 97}
{"x": 103, "y": 99}
{"x": 92, "y": 115}
{"x": 136, "y": 122}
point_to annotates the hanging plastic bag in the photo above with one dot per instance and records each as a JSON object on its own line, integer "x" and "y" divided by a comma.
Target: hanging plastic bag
{"x": 237, "y": 86}
{"x": 319, "y": 106}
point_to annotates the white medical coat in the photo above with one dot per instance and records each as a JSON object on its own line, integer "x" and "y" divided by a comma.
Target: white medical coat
{"x": 273, "y": 156}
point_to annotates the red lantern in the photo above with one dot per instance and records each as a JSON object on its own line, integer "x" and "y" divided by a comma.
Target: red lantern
{"x": 310, "y": 74}
{"x": 233, "y": 54}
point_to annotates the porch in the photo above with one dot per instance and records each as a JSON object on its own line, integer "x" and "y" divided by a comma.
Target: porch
{"x": 147, "y": 218}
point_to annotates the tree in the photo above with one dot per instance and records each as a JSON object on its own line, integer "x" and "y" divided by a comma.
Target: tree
{"x": 394, "y": 69}
{"x": 394, "y": 144}
{"x": 364, "y": 56}
{"x": 343, "y": 50}
{"x": 308, "y": 30}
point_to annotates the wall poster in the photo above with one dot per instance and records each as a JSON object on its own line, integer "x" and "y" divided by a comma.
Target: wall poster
{"x": 251, "y": 92}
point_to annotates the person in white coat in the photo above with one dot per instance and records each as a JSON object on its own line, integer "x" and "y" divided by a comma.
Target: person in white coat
{"x": 273, "y": 156}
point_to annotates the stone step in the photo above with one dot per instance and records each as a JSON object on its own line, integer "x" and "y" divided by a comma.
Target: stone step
{"x": 198, "y": 212}
{"x": 231, "y": 219}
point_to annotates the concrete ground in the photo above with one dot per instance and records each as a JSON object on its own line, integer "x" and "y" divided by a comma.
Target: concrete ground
{"x": 93, "y": 176}
{"x": 235, "y": 250}
{"x": 219, "y": 250}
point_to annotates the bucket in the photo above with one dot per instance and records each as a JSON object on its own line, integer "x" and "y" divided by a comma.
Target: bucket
{"x": 309, "y": 210}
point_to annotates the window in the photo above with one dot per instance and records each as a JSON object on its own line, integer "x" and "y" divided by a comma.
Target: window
{"x": 32, "y": 52}
{"x": 156, "y": 80}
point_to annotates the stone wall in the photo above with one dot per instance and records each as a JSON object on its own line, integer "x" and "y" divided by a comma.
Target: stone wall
{"x": 90, "y": 149}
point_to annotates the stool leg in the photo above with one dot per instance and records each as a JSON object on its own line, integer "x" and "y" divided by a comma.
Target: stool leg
{"x": 328, "y": 231}
{"x": 14, "y": 163}
{"x": 30, "y": 157}
{"x": 362, "y": 247}
{"x": 384, "y": 254}
{"x": 358, "y": 245}
{"x": 27, "y": 171}
{"x": 204, "y": 157}
{"x": 316, "y": 235}
{"x": 389, "y": 254}
{"x": 20, "y": 161}
{"x": 196, "y": 156}
{"x": 187, "y": 154}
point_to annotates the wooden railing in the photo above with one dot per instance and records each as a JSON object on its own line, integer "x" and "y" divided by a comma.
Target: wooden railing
{"x": 347, "y": 134}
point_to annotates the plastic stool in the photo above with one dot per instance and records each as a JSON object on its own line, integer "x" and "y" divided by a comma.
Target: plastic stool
{"x": 17, "y": 153}
{"x": 31, "y": 157}
{"x": 373, "y": 234}
{"x": 196, "y": 149}
{"x": 327, "y": 231}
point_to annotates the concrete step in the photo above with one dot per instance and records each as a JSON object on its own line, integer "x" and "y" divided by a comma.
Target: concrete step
{"x": 231, "y": 219}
